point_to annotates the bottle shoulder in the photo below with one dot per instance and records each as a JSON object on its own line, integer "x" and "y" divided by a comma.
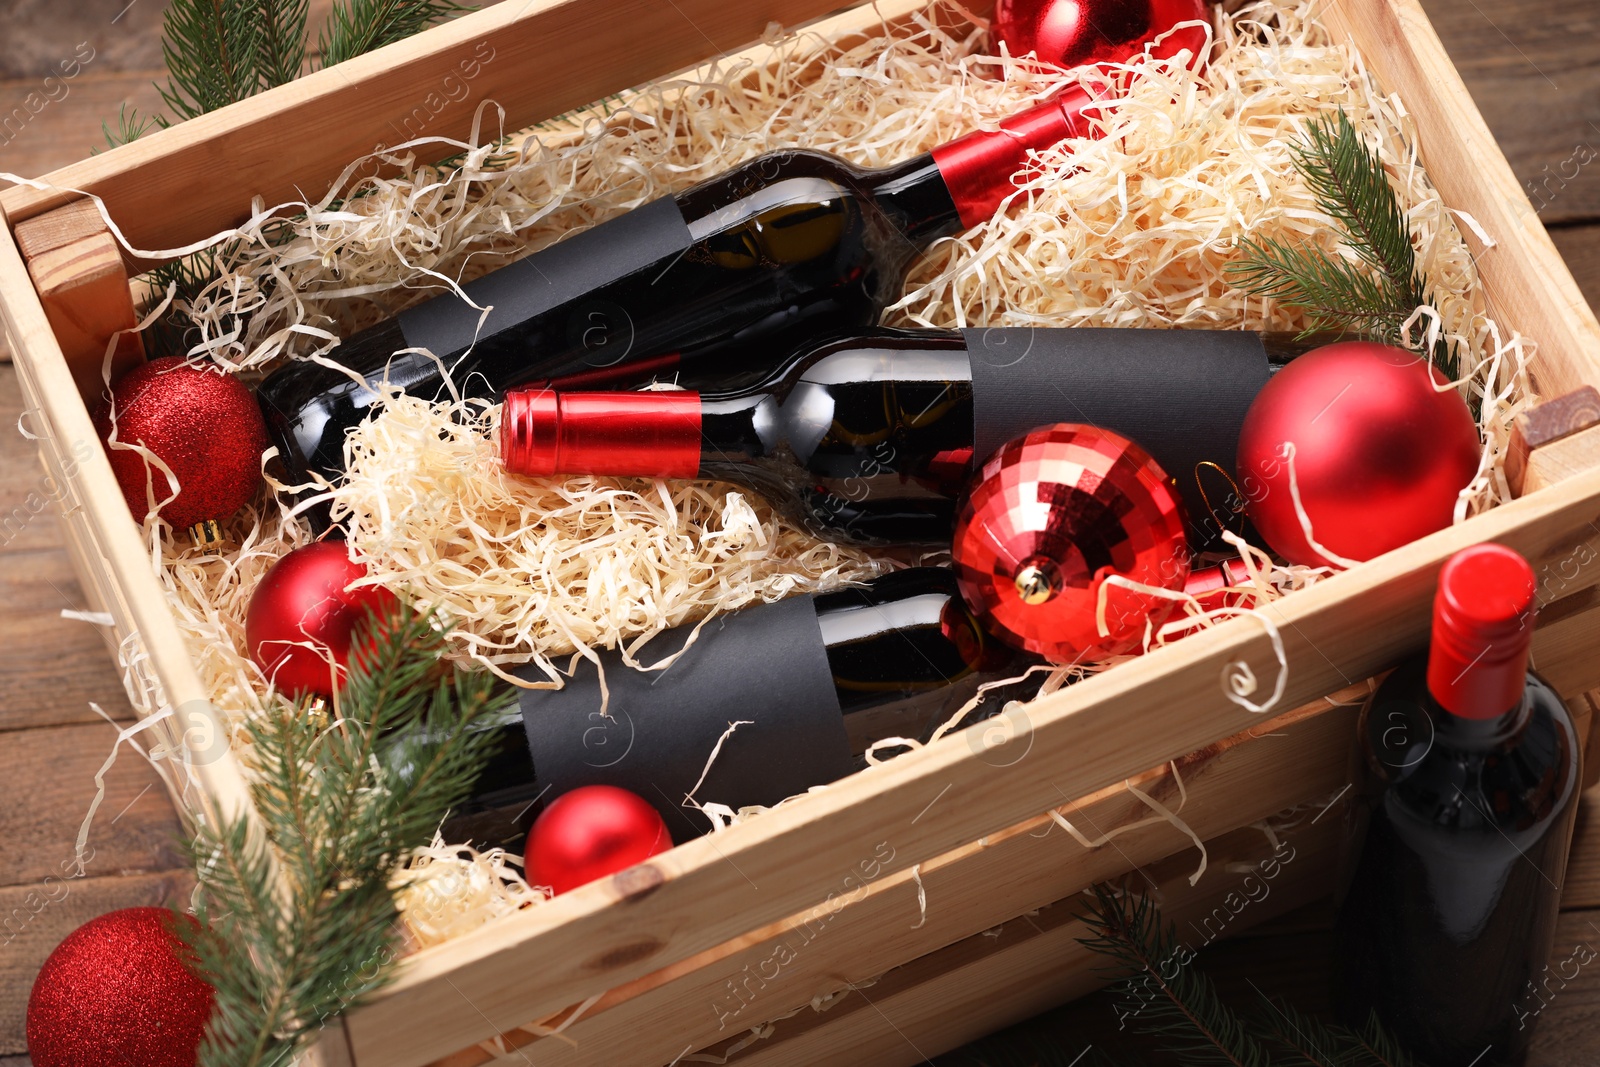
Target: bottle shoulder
{"x": 1513, "y": 775}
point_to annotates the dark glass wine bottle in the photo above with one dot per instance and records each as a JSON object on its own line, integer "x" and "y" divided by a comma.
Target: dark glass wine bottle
{"x": 726, "y": 278}
{"x": 813, "y": 680}
{"x": 1471, "y": 786}
{"x": 875, "y": 437}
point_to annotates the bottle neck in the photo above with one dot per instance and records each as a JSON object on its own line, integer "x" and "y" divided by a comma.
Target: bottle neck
{"x": 905, "y": 633}
{"x": 980, "y": 169}
{"x": 915, "y": 196}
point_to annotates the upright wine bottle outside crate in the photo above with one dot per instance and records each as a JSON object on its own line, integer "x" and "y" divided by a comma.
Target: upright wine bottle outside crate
{"x": 1471, "y": 787}
{"x": 727, "y": 278}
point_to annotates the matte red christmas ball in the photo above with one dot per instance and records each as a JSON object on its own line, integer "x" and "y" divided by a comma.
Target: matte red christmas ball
{"x": 116, "y": 991}
{"x": 202, "y": 423}
{"x": 1053, "y": 515}
{"x": 302, "y": 616}
{"x": 1379, "y": 454}
{"x": 590, "y": 832}
{"x": 1071, "y": 33}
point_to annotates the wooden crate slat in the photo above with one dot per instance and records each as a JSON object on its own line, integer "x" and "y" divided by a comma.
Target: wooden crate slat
{"x": 181, "y": 184}
{"x": 67, "y": 431}
{"x": 1528, "y": 286}
{"x": 1084, "y": 738}
{"x": 1032, "y": 964}
{"x": 968, "y": 890}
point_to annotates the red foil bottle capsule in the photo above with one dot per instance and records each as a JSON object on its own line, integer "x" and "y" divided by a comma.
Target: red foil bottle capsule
{"x": 647, "y": 435}
{"x": 1054, "y": 515}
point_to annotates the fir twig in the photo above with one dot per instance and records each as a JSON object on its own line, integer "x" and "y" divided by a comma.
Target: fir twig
{"x": 130, "y": 126}
{"x": 1376, "y": 286}
{"x": 211, "y": 48}
{"x": 1179, "y": 1003}
{"x": 341, "y": 804}
{"x": 1381, "y": 1050}
{"x": 358, "y": 26}
{"x": 280, "y": 41}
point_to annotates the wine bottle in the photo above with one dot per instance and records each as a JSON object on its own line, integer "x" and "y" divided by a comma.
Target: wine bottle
{"x": 875, "y": 437}
{"x": 812, "y": 680}
{"x": 727, "y": 277}
{"x": 1471, "y": 775}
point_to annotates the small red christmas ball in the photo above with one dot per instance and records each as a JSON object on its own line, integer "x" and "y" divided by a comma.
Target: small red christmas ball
{"x": 1072, "y": 33}
{"x": 593, "y": 831}
{"x": 302, "y": 615}
{"x": 1053, "y": 515}
{"x": 117, "y": 991}
{"x": 1379, "y": 453}
{"x": 200, "y": 422}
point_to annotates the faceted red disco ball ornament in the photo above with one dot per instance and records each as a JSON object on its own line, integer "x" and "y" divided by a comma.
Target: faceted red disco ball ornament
{"x": 1379, "y": 456}
{"x": 1056, "y": 513}
{"x": 1073, "y": 33}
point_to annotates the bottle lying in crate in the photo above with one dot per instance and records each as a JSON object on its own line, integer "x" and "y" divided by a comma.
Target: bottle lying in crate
{"x": 730, "y": 276}
{"x": 875, "y": 437}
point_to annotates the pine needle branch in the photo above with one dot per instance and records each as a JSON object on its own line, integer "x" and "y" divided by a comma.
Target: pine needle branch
{"x": 1379, "y": 1048}
{"x": 1376, "y": 286}
{"x": 280, "y": 41}
{"x": 297, "y": 933}
{"x": 211, "y": 48}
{"x": 356, "y": 27}
{"x": 1165, "y": 995}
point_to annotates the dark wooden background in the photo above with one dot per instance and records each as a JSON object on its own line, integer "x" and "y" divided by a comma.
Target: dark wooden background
{"x": 1533, "y": 67}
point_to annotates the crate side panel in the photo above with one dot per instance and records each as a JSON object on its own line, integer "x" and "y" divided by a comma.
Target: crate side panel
{"x": 193, "y": 180}
{"x": 107, "y": 529}
{"x": 772, "y": 972}
{"x": 1529, "y": 287}
{"x": 944, "y": 1000}
{"x": 1084, "y": 738}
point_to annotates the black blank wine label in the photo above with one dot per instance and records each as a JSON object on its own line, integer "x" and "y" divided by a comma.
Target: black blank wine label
{"x": 766, "y": 665}
{"x": 564, "y": 272}
{"x": 1179, "y": 394}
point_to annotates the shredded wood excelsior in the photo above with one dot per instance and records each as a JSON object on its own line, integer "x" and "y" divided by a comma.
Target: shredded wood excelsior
{"x": 1135, "y": 228}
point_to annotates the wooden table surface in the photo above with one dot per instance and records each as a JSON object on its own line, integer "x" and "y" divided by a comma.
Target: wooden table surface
{"x": 1533, "y": 67}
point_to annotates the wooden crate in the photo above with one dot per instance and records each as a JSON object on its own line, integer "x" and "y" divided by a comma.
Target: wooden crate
{"x": 939, "y": 878}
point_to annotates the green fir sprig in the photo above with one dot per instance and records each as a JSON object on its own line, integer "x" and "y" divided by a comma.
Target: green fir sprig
{"x": 1376, "y": 287}
{"x": 1165, "y": 996}
{"x": 219, "y": 52}
{"x": 356, "y": 27}
{"x": 297, "y": 928}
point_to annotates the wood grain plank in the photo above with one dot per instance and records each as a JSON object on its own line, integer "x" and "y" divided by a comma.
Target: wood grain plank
{"x": 164, "y": 187}
{"x": 1580, "y": 247}
{"x": 53, "y": 667}
{"x": 28, "y": 519}
{"x": 1534, "y": 72}
{"x": 48, "y": 788}
{"x": 39, "y": 919}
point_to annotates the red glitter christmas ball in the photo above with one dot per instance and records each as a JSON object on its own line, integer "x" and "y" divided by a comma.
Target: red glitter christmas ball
{"x": 593, "y": 831}
{"x": 116, "y": 991}
{"x": 303, "y": 614}
{"x": 201, "y": 423}
{"x": 1379, "y": 454}
{"x": 1071, "y": 33}
{"x": 1055, "y": 514}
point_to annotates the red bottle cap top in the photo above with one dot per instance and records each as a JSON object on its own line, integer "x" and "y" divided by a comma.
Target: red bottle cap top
{"x": 979, "y": 168}
{"x": 645, "y": 435}
{"x": 1482, "y": 627}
